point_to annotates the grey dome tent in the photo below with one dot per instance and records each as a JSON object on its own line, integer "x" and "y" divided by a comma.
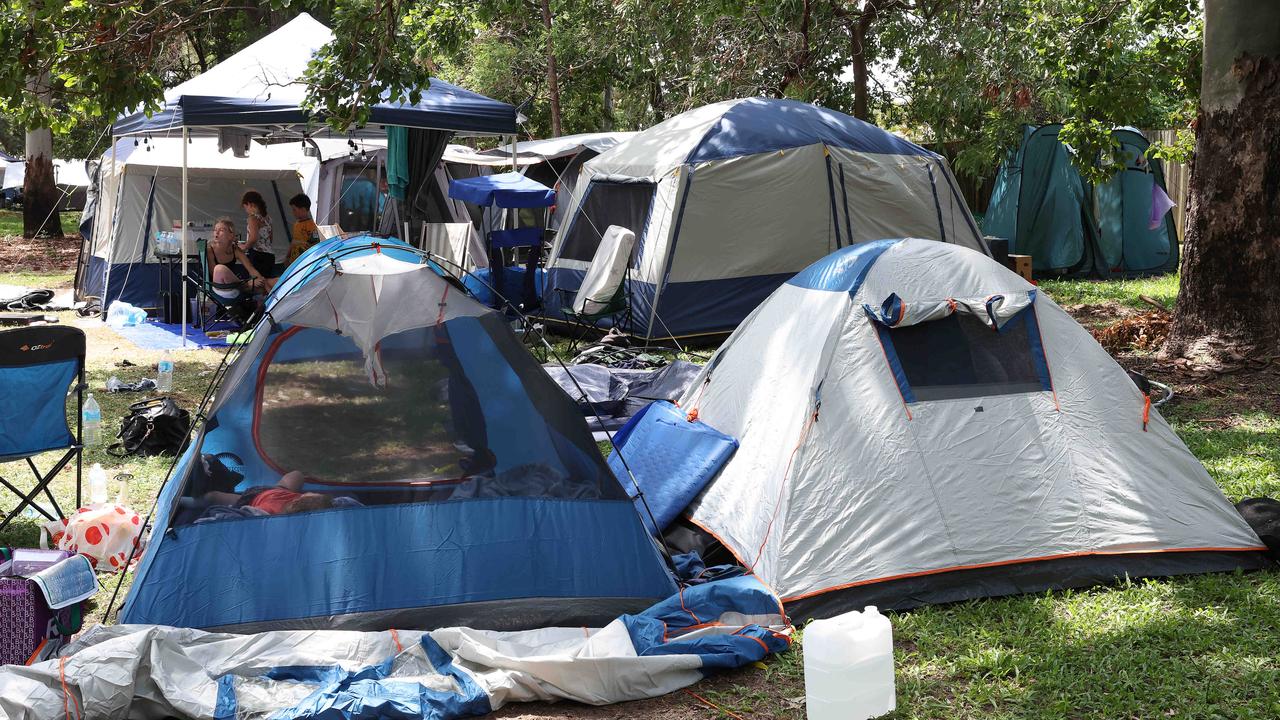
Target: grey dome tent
{"x": 918, "y": 424}
{"x": 1043, "y": 206}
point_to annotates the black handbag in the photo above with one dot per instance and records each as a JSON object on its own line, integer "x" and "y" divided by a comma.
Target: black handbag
{"x": 152, "y": 427}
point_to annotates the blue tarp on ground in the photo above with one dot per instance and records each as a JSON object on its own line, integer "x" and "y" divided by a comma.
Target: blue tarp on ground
{"x": 444, "y": 674}
{"x": 153, "y": 335}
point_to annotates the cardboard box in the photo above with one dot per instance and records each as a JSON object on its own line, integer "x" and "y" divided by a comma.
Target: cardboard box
{"x": 1021, "y": 264}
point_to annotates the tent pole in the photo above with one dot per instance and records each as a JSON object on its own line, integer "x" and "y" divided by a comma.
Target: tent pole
{"x": 111, "y": 241}
{"x": 182, "y": 265}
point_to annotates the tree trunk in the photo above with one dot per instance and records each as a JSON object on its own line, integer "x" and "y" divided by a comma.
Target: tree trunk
{"x": 40, "y": 194}
{"x": 1231, "y": 253}
{"x": 553, "y": 76}
{"x": 858, "y": 55}
{"x": 606, "y": 100}
{"x": 798, "y": 65}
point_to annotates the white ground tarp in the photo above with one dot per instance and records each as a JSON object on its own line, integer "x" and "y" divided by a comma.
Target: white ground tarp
{"x": 133, "y": 671}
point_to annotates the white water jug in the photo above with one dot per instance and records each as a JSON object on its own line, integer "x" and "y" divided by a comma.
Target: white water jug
{"x": 848, "y": 666}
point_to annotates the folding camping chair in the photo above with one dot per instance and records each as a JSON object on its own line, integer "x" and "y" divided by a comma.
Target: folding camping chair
{"x": 37, "y": 365}
{"x": 458, "y": 243}
{"x": 603, "y": 292}
{"x": 205, "y": 287}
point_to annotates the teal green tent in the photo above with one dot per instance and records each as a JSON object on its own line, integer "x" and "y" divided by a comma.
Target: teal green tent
{"x": 1068, "y": 226}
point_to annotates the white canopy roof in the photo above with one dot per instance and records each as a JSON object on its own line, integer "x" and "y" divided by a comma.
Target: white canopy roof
{"x": 532, "y": 152}
{"x": 262, "y": 87}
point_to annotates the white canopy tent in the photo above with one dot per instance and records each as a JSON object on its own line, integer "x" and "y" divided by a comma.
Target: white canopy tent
{"x": 259, "y": 92}
{"x": 141, "y": 193}
{"x": 533, "y": 152}
{"x": 555, "y": 162}
{"x": 66, "y": 173}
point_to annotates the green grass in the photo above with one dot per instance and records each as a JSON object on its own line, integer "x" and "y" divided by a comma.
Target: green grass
{"x": 1197, "y": 647}
{"x": 1163, "y": 288}
{"x": 11, "y": 222}
{"x": 142, "y": 477}
{"x": 50, "y": 280}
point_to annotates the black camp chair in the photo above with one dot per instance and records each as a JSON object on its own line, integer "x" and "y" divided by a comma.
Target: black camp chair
{"x": 37, "y": 365}
{"x": 206, "y": 288}
{"x": 617, "y": 310}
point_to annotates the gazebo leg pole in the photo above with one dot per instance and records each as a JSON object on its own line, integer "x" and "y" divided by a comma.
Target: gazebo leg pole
{"x": 182, "y": 266}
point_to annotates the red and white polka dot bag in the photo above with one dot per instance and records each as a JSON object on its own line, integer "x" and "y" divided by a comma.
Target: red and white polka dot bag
{"x": 106, "y": 534}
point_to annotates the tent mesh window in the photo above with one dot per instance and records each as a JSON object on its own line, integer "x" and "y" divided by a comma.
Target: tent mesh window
{"x": 961, "y": 356}
{"x": 460, "y": 412}
{"x": 605, "y": 204}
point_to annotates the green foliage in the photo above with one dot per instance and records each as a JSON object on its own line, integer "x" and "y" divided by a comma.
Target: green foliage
{"x": 624, "y": 64}
{"x": 974, "y": 72}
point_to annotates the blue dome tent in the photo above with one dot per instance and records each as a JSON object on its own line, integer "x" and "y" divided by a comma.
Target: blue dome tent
{"x": 470, "y": 490}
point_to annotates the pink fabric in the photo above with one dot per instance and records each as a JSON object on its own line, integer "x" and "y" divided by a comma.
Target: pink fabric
{"x": 1160, "y": 204}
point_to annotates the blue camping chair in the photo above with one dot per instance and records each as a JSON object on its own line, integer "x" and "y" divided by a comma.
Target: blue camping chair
{"x": 37, "y": 366}
{"x": 509, "y": 191}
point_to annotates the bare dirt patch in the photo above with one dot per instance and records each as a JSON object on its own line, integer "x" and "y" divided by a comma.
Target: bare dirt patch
{"x": 1144, "y": 331}
{"x": 44, "y": 255}
{"x": 1214, "y": 369}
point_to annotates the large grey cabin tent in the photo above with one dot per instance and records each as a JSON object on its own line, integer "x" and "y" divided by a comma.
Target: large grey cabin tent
{"x": 729, "y": 200}
{"x": 1043, "y": 206}
{"x": 918, "y": 424}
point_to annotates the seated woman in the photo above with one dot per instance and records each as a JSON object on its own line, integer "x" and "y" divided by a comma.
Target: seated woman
{"x": 231, "y": 273}
{"x": 284, "y": 498}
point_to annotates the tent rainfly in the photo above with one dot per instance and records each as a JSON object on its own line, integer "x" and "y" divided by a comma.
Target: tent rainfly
{"x": 918, "y": 424}
{"x": 729, "y": 200}
{"x": 1043, "y": 206}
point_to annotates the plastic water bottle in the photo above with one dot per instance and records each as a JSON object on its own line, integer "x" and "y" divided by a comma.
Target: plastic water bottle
{"x": 848, "y": 667}
{"x": 97, "y": 484}
{"x": 164, "y": 373}
{"x": 91, "y": 419}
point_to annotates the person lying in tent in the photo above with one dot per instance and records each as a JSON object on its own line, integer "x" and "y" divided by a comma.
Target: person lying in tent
{"x": 283, "y": 498}
{"x": 231, "y": 273}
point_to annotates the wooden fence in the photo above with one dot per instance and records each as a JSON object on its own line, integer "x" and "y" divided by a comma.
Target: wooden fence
{"x": 1177, "y": 177}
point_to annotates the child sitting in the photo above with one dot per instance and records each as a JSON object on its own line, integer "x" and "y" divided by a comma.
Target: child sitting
{"x": 305, "y": 232}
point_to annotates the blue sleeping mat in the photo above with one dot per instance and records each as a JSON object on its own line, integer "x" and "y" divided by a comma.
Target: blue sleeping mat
{"x": 671, "y": 458}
